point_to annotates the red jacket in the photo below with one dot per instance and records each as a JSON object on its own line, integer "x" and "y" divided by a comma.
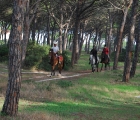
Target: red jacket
{"x": 105, "y": 50}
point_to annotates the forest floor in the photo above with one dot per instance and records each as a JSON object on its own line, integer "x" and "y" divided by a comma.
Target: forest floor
{"x": 42, "y": 76}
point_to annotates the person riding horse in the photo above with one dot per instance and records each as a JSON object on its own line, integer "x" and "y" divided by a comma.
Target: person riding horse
{"x": 55, "y": 49}
{"x": 94, "y": 53}
{"x": 105, "y": 53}
{"x": 56, "y": 59}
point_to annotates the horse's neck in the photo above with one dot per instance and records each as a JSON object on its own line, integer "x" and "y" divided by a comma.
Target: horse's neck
{"x": 54, "y": 56}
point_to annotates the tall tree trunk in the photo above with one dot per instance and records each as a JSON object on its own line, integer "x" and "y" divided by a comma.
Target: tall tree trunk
{"x": 60, "y": 40}
{"x": 48, "y": 30}
{"x": 25, "y": 37}
{"x": 53, "y": 32}
{"x": 96, "y": 36}
{"x": 99, "y": 39}
{"x": 33, "y": 29}
{"x": 127, "y": 65}
{"x": 75, "y": 50}
{"x": 136, "y": 55}
{"x": 81, "y": 40}
{"x": 115, "y": 65}
{"x": 110, "y": 32}
{"x": 27, "y": 21}
{"x": 10, "y": 106}
{"x": 65, "y": 37}
{"x": 88, "y": 43}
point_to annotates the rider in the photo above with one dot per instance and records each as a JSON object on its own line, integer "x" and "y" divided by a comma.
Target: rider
{"x": 106, "y": 51}
{"x": 55, "y": 49}
{"x": 94, "y": 53}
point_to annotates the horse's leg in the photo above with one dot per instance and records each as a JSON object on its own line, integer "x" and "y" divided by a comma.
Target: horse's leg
{"x": 53, "y": 71}
{"x": 93, "y": 69}
{"x": 97, "y": 66}
{"x": 105, "y": 66}
{"x": 101, "y": 67}
{"x": 60, "y": 70}
{"x": 60, "y": 66}
{"x": 109, "y": 65}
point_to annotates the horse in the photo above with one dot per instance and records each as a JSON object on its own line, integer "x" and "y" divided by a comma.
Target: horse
{"x": 56, "y": 61}
{"x": 105, "y": 60}
{"x": 92, "y": 62}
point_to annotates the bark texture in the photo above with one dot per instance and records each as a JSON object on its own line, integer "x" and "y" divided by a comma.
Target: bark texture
{"x": 10, "y": 106}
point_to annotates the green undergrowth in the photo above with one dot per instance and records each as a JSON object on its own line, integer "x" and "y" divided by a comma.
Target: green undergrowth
{"x": 96, "y": 96}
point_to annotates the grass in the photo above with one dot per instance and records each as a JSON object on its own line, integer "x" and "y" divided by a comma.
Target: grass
{"x": 98, "y": 96}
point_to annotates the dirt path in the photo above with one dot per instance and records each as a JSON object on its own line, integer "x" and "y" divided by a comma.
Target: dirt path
{"x": 42, "y": 76}
{"x": 63, "y": 77}
{"x": 45, "y": 76}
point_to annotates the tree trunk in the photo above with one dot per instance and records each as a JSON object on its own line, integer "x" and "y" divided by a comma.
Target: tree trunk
{"x": 126, "y": 73}
{"x": 75, "y": 50}
{"x": 10, "y": 106}
{"x": 115, "y": 65}
{"x": 27, "y": 21}
{"x": 136, "y": 55}
{"x": 48, "y": 30}
{"x": 88, "y": 43}
{"x": 60, "y": 39}
{"x": 25, "y": 37}
{"x": 81, "y": 40}
{"x": 34, "y": 29}
{"x": 65, "y": 41}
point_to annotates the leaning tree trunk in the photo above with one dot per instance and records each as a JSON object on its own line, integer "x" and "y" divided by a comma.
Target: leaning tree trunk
{"x": 115, "y": 65}
{"x": 10, "y": 106}
{"x": 126, "y": 73}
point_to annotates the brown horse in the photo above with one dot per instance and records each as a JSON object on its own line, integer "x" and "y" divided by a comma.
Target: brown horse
{"x": 105, "y": 60}
{"x": 56, "y": 61}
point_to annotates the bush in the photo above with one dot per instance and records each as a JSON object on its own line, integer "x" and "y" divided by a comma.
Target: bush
{"x": 3, "y": 53}
{"x": 122, "y": 55}
{"x": 67, "y": 61}
{"x": 34, "y": 55}
{"x": 44, "y": 65}
{"x": 37, "y": 57}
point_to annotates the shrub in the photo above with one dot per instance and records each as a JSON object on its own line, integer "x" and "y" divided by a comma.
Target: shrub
{"x": 34, "y": 55}
{"x": 44, "y": 65}
{"x": 3, "y": 53}
{"x": 37, "y": 57}
{"x": 67, "y": 61}
{"x": 121, "y": 55}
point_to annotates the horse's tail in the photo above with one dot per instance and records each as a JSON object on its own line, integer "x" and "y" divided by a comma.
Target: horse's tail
{"x": 61, "y": 58}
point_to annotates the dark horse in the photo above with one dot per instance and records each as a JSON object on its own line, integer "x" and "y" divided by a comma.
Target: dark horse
{"x": 105, "y": 60}
{"x": 56, "y": 61}
{"x": 92, "y": 62}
